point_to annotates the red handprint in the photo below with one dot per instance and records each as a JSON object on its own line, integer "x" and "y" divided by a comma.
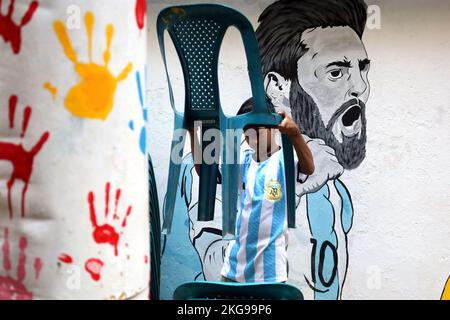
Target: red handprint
{"x": 22, "y": 160}
{"x": 106, "y": 233}
{"x": 12, "y": 32}
{"x": 141, "y": 11}
{"x": 13, "y": 288}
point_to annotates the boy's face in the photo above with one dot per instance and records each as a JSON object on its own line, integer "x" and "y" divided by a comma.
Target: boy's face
{"x": 260, "y": 139}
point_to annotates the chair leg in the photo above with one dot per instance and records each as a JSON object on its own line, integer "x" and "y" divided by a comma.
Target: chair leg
{"x": 230, "y": 185}
{"x": 173, "y": 182}
{"x": 208, "y": 180}
{"x": 207, "y": 191}
{"x": 289, "y": 171}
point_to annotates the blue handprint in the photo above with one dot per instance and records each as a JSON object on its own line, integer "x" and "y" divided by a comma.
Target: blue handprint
{"x": 143, "y": 133}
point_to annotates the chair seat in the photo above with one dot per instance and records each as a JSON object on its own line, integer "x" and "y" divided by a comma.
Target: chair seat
{"x": 236, "y": 291}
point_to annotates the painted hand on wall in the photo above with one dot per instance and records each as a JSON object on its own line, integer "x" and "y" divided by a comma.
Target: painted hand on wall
{"x": 12, "y": 32}
{"x": 12, "y": 287}
{"x": 21, "y": 159}
{"x": 110, "y": 231}
{"x": 93, "y": 96}
{"x": 131, "y": 124}
{"x": 324, "y": 157}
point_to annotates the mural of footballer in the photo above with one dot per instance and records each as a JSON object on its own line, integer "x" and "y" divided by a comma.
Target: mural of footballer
{"x": 316, "y": 69}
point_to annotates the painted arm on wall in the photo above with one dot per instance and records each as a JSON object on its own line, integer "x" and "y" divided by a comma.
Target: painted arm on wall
{"x": 329, "y": 224}
{"x": 324, "y": 279}
{"x": 323, "y": 236}
{"x": 346, "y": 206}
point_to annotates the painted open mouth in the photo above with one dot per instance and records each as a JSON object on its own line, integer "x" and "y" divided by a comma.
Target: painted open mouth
{"x": 351, "y": 121}
{"x": 349, "y": 124}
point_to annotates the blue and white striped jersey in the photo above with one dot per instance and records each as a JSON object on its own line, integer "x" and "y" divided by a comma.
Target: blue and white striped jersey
{"x": 259, "y": 253}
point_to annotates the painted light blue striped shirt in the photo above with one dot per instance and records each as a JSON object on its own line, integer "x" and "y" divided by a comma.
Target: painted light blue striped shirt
{"x": 259, "y": 253}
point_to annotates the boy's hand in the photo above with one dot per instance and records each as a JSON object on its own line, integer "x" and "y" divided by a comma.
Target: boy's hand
{"x": 288, "y": 126}
{"x": 304, "y": 155}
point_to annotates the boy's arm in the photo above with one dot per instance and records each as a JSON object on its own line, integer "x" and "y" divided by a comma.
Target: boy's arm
{"x": 290, "y": 128}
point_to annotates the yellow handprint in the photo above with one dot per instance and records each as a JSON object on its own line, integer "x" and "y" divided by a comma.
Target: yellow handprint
{"x": 93, "y": 96}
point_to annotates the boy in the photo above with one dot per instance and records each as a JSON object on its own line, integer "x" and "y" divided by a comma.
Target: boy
{"x": 259, "y": 253}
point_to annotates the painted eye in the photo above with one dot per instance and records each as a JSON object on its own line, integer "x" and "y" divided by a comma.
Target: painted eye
{"x": 335, "y": 74}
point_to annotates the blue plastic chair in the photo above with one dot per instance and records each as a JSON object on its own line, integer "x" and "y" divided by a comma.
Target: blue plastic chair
{"x": 197, "y": 32}
{"x": 236, "y": 291}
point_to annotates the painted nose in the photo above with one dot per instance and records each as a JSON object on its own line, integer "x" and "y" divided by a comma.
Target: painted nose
{"x": 358, "y": 85}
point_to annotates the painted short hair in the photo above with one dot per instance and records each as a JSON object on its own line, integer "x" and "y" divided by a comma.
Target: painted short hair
{"x": 282, "y": 24}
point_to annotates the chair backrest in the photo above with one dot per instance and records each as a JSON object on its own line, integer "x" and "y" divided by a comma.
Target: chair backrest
{"x": 197, "y": 32}
{"x": 236, "y": 291}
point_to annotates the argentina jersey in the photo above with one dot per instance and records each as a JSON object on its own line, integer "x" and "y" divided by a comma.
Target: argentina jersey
{"x": 259, "y": 253}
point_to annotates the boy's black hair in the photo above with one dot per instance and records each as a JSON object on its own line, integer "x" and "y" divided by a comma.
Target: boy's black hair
{"x": 247, "y": 106}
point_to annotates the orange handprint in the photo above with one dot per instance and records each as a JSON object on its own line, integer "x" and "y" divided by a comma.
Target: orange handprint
{"x": 107, "y": 233}
{"x": 93, "y": 96}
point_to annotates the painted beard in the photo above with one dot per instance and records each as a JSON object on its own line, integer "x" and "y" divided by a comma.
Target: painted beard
{"x": 345, "y": 132}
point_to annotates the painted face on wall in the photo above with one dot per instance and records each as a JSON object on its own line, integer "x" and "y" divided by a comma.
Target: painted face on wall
{"x": 334, "y": 88}
{"x": 329, "y": 98}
